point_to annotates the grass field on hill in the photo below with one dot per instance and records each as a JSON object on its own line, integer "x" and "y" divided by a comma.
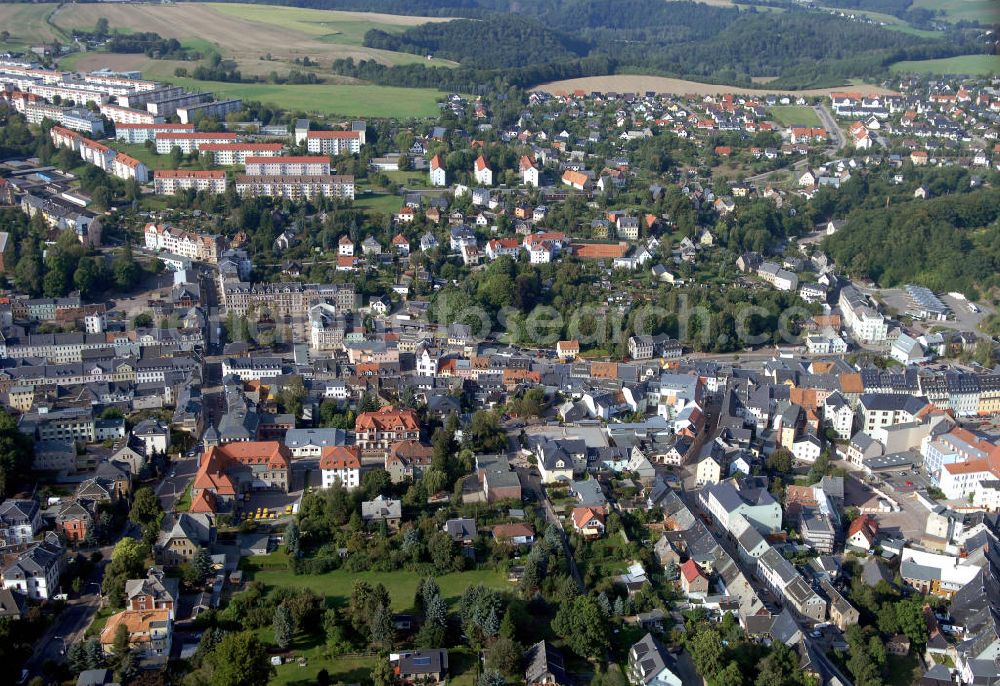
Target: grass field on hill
{"x": 963, "y": 64}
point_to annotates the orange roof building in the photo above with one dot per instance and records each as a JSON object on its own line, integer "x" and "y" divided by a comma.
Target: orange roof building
{"x": 377, "y": 431}
{"x": 229, "y": 470}
{"x": 341, "y": 464}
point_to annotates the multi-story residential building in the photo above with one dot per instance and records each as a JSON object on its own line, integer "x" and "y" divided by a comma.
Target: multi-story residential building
{"x": 172, "y": 181}
{"x": 818, "y": 531}
{"x": 164, "y": 105}
{"x": 864, "y": 320}
{"x": 725, "y": 502}
{"x": 529, "y": 172}
{"x": 229, "y": 154}
{"x": 97, "y": 154}
{"x": 20, "y": 520}
{"x": 838, "y": 415}
{"x": 37, "y": 110}
{"x": 76, "y": 424}
{"x": 375, "y": 432}
{"x": 335, "y": 142}
{"x": 35, "y": 572}
{"x": 482, "y": 172}
{"x": 57, "y": 348}
{"x": 301, "y": 165}
{"x": 877, "y": 410}
{"x": 252, "y": 368}
{"x": 290, "y": 298}
{"x": 190, "y": 142}
{"x": 781, "y": 578}
{"x": 956, "y": 446}
{"x": 156, "y": 591}
{"x": 149, "y": 632}
{"x": 341, "y": 464}
{"x": 127, "y": 115}
{"x": 81, "y": 120}
{"x": 203, "y": 248}
{"x": 140, "y": 133}
{"x": 188, "y": 114}
{"x": 127, "y": 167}
{"x": 438, "y": 174}
{"x": 296, "y": 187}
{"x": 960, "y": 480}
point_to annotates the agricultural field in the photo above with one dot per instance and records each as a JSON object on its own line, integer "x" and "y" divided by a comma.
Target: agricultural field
{"x": 963, "y": 64}
{"x": 634, "y": 83}
{"x": 795, "y": 115}
{"x": 261, "y": 39}
{"x": 983, "y": 11}
{"x": 251, "y": 32}
{"x": 26, "y": 25}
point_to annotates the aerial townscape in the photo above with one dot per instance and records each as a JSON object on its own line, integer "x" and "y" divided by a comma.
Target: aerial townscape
{"x": 425, "y": 342}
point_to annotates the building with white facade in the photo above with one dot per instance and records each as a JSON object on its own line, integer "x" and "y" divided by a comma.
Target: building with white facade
{"x": 171, "y": 181}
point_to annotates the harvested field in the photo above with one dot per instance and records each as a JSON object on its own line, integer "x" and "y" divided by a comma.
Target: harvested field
{"x": 632, "y": 83}
{"x": 253, "y": 31}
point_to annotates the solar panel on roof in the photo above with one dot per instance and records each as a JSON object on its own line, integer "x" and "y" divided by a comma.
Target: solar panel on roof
{"x": 422, "y": 661}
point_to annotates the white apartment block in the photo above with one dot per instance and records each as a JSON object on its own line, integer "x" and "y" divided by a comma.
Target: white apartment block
{"x": 335, "y": 142}
{"x": 77, "y": 94}
{"x": 295, "y": 187}
{"x": 305, "y": 165}
{"x": 140, "y": 133}
{"x": 190, "y": 142}
{"x": 127, "y": 167}
{"x": 172, "y": 181}
{"x": 82, "y": 120}
{"x": 118, "y": 80}
{"x": 229, "y": 154}
{"x": 38, "y": 111}
{"x": 216, "y": 110}
{"x": 164, "y": 105}
{"x": 97, "y": 154}
{"x": 127, "y": 115}
{"x": 184, "y": 243}
{"x": 863, "y": 320}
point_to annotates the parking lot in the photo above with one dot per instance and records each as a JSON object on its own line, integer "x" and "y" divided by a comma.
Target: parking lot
{"x": 962, "y": 319}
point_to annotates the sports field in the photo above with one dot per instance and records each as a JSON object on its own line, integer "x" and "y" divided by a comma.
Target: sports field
{"x": 963, "y": 64}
